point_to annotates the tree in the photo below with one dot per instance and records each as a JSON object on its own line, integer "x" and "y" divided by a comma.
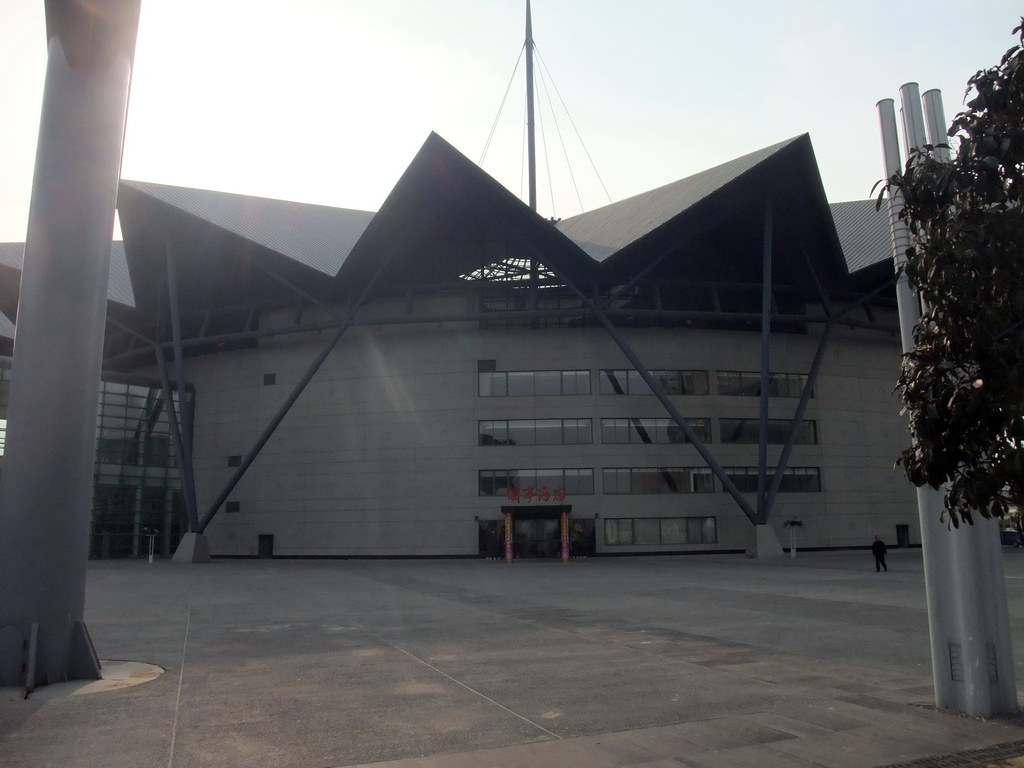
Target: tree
{"x": 963, "y": 383}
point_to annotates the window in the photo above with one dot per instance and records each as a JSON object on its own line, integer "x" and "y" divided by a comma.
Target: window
{"x": 539, "y": 383}
{"x": 749, "y": 430}
{"x": 637, "y": 480}
{"x": 794, "y": 479}
{"x": 640, "y": 531}
{"x": 233, "y": 506}
{"x": 117, "y": 450}
{"x": 536, "y": 432}
{"x": 748, "y": 384}
{"x": 625, "y": 382}
{"x": 801, "y": 480}
{"x": 660, "y": 431}
{"x": 234, "y": 461}
{"x": 618, "y": 531}
{"x": 530, "y": 484}
{"x": 158, "y": 451}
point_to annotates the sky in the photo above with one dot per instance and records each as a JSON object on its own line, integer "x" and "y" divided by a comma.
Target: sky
{"x": 327, "y": 101}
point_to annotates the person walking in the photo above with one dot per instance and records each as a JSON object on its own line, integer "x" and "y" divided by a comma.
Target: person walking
{"x": 878, "y": 550}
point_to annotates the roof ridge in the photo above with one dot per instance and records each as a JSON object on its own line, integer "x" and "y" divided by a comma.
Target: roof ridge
{"x": 608, "y": 229}
{"x": 742, "y": 160}
{"x": 142, "y": 186}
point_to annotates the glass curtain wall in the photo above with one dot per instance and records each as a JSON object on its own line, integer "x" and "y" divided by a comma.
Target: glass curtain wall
{"x": 137, "y": 488}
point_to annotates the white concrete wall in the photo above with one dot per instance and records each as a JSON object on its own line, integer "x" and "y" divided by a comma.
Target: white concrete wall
{"x": 379, "y": 456}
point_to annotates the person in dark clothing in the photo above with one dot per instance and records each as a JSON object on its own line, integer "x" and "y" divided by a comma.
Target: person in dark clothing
{"x": 878, "y": 550}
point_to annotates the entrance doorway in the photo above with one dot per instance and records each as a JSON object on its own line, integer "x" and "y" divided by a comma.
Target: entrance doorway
{"x": 582, "y": 539}
{"x": 537, "y": 538}
{"x": 536, "y": 532}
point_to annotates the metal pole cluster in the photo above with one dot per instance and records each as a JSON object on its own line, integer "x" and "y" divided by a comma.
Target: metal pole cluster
{"x": 972, "y": 660}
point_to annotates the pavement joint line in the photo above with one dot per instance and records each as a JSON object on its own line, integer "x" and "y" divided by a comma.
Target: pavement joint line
{"x": 430, "y": 666}
{"x": 720, "y": 646}
{"x": 181, "y": 678}
{"x": 967, "y": 757}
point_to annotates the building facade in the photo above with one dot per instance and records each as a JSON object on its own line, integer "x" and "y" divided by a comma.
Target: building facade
{"x": 454, "y": 375}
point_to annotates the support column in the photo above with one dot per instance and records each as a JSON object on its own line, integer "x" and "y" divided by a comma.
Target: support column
{"x": 172, "y": 423}
{"x": 184, "y": 420}
{"x": 46, "y": 492}
{"x": 508, "y": 538}
{"x": 564, "y": 528}
{"x": 766, "y": 337}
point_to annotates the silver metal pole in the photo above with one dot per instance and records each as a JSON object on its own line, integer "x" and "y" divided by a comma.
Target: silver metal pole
{"x": 934, "y": 546}
{"x": 935, "y": 123}
{"x": 531, "y": 139}
{"x": 974, "y": 551}
{"x": 46, "y": 492}
{"x": 972, "y": 664}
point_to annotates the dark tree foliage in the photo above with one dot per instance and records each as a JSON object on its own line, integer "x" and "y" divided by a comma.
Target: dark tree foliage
{"x": 963, "y": 384}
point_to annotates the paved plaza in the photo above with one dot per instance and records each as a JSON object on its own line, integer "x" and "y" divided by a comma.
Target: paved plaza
{"x": 654, "y": 662}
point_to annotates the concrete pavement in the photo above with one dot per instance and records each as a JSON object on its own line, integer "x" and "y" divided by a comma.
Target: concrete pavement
{"x": 659, "y": 661}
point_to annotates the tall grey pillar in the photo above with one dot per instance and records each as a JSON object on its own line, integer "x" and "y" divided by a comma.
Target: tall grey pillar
{"x": 46, "y": 487}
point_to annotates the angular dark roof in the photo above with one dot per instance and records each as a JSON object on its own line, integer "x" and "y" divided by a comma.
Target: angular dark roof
{"x": 119, "y": 284}
{"x": 709, "y": 227}
{"x": 317, "y": 236}
{"x": 863, "y": 233}
{"x": 445, "y": 212}
{"x": 441, "y": 196}
{"x": 606, "y": 230}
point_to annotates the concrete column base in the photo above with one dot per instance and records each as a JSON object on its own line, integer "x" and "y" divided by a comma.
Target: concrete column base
{"x": 764, "y": 542}
{"x": 194, "y": 548}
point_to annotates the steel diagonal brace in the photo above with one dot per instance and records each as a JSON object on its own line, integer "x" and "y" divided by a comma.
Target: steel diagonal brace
{"x": 184, "y": 421}
{"x": 801, "y": 408}
{"x": 191, "y": 512}
{"x": 300, "y": 386}
{"x": 283, "y": 281}
{"x": 805, "y": 395}
{"x": 659, "y": 392}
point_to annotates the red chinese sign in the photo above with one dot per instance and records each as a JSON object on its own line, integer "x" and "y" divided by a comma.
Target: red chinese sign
{"x": 530, "y": 494}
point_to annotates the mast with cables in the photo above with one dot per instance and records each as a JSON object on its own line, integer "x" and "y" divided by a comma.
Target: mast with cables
{"x": 528, "y": 170}
{"x": 531, "y": 141}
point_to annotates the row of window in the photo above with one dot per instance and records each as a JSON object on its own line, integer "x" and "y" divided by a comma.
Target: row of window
{"x": 637, "y": 431}
{"x": 527, "y": 485}
{"x": 629, "y": 382}
{"x": 647, "y": 531}
{"x": 153, "y": 451}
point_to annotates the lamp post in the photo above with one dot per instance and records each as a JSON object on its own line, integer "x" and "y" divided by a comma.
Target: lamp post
{"x": 792, "y": 525}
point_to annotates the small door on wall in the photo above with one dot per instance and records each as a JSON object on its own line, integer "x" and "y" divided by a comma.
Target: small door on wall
{"x": 582, "y": 537}
{"x": 265, "y": 545}
{"x": 491, "y": 535}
